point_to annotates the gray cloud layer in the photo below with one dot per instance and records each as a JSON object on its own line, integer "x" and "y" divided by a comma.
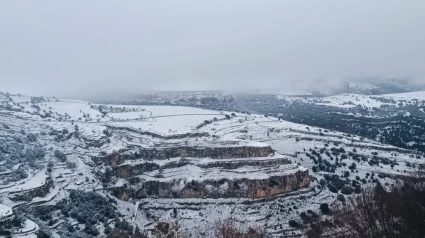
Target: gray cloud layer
{"x": 86, "y": 47}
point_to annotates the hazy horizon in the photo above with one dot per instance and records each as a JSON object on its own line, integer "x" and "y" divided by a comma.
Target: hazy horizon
{"x": 85, "y": 48}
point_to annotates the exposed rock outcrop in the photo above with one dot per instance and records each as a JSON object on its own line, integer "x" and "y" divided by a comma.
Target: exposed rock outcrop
{"x": 233, "y": 170}
{"x": 173, "y": 152}
{"x": 155, "y": 135}
{"x": 223, "y": 188}
{"x": 129, "y": 170}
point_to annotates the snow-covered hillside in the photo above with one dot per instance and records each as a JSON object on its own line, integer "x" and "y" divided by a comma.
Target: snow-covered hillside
{"x": 139, "y": 165}
{"x": 363, "y": 101}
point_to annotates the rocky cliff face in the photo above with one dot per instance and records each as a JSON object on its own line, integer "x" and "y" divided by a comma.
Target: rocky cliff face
{"x": 226, "y": 172}
{"x": 129, "y": 170}
{"x": 174, "y": 152}
{"x": 126, "y": 171}
{"x": 223, "y": 188}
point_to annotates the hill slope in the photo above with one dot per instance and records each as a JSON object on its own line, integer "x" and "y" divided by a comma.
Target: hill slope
{"x": 74, "y": 166}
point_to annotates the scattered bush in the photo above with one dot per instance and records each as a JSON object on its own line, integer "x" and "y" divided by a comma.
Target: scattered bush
{"x": 71, "y": 165}
{"x": 91, "y": 230}
{"x": 42, "y": 234}
{"x": 347, "y": 190}
{"x": 340, "y": 198}
{"x": 324, "y": 208}
{"x": 31, "y": 137}
{"x": 60, "y": 155}
{"x": 293, "y": 223}
{"x": 229, "y": 229}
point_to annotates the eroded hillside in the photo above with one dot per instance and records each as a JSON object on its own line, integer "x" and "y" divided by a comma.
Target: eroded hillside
{"x": 149, "y": 164}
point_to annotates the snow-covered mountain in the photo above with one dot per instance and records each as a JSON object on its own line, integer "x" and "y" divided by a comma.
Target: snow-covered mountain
{"x": 73, "y": 168}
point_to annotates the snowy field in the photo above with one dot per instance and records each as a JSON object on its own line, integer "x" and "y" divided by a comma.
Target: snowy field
{"x": 5, "y": 211}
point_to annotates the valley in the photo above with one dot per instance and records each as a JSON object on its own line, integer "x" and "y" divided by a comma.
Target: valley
{"x": 72, "y": 168}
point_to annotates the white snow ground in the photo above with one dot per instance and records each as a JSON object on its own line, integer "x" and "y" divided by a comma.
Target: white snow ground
{"x": 291, "y": 140}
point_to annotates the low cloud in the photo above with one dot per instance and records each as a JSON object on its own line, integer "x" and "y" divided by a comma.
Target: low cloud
{"x": 85, "y": 48}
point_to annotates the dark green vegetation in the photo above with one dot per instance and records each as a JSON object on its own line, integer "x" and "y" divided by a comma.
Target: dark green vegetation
{"x": 14, "y": 223}
{"x": 87, "y": 209}
{"x": 19, "y": 153}
{"x": 389, "y": 124}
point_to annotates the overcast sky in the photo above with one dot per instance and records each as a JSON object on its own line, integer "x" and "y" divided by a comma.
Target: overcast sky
{"x": 86, "y": 47}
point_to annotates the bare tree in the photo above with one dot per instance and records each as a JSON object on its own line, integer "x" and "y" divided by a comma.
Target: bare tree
{"x": 231, "y": 229}
{"x": 377, "y": 213}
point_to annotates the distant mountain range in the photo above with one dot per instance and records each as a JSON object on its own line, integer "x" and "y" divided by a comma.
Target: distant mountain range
{"x": 370, "y": 86}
